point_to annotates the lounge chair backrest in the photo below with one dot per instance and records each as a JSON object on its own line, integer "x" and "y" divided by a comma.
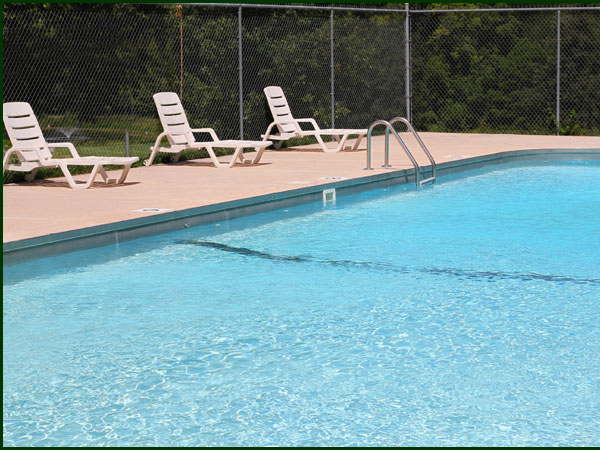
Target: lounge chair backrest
{"x": 173, "y": 118}
{"x": 280, "y": 110}
{"x": 24, "y": 130}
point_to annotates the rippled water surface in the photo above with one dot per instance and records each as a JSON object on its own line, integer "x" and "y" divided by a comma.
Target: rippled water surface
{"x": 467, "y": 313}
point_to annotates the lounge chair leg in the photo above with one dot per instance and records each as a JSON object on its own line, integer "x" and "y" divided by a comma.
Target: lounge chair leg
{"x": 29, "y": 177}
{"x": 322, "y": 144}
{"x": 119, "y": 180}
{"x": 69, "y": 178}
{"x": 331, "y": 150}
{"x": 241, "y": 158}
{"x": 149, "y": 161}
{"x": 105, "y": 176}
{"x": 73, "y": 183}
{"x": 97, "y": 168}
{"x": 236, "y": 155}
{"x": 340, "y": 147}
{"x": 259, "y": 153}
{"x": 124, "y": 173}
{"x": 360, "y": 136}
{"x": 214, "y": 159}
{"x": 227, "y": 165}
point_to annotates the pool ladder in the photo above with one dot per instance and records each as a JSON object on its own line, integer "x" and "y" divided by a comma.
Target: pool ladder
{"x": 389, "y": 127}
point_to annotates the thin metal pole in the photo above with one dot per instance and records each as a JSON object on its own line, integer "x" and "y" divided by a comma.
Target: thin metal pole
{"x": 407, "y": 60}
{"x": 558, "y": 72}
{"x": 240, "y": 73}
{"x": 332, "y": 72}
{"x": 180, "y": 16}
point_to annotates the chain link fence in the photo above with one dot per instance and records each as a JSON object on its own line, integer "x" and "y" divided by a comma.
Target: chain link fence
{"x": 89, "y": 71}
{"x": 287, "y": 48}
{"x": 490, "y": 73}
{"x": 580, "y": 72}
{"x": 372, "y": 44}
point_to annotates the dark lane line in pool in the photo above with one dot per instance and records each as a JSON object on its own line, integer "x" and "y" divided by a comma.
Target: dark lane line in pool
{"x": 515, "y": 276}
{"x": 461, "y": 273}
{"x": 300, "y": 259}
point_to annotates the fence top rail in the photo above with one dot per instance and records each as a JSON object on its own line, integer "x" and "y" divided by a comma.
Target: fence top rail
{"x": 388, "y": 10}
{"x": 289, "y": 6}
{"x": 552, "y": 8}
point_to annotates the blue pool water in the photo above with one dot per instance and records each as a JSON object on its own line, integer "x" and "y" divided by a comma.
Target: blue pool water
{"x": 467, "y": 313}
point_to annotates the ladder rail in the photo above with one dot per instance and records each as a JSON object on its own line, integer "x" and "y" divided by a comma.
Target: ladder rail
{"x": 416, "y": 135}
{"x": 389, "y": 127}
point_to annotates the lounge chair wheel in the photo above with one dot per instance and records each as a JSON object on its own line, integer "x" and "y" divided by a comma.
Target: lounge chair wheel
{"x": 147, "y": 162}
{"x": 29, "y": 177}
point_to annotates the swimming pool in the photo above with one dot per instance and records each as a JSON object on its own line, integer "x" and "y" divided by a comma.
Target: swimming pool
{"x": 466, "y": 313}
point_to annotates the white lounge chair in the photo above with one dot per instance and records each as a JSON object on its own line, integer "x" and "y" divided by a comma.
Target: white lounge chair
{"x": 289, "y": 127}
{"x": 181, "y": 137}
{"x": 29, "y": 145}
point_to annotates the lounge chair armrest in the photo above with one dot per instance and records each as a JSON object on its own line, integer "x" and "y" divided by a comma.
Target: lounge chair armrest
{"x": 68, "y": 145}
{"x": 311, "y": 121}
{"x": 7, "y": 156}
{"x": 159, "y": 138}
{"x": 210, "y": 131}
{"x": 14, "y": 150}
{"x": 269, "y": 129}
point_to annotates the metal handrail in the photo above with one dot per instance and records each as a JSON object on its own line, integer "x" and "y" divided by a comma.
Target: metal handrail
{"x": 388, "y": 128}
{"x": 410, "y": 127}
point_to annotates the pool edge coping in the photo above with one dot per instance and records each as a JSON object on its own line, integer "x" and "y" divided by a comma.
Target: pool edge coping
{"x": 15, "y": 252}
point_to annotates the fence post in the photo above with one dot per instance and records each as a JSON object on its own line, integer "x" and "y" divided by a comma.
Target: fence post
{"x": 332, "y": 72}
{"x": 558, "y": 73}
{"x": 180, "y": 17}
{"x": 240, "y": 73}
{"x": 126, "y": 142}
{"x": 407, "y": 62}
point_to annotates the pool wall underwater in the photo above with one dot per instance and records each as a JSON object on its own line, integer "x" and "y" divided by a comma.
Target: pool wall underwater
{"x": 54, "y": 244}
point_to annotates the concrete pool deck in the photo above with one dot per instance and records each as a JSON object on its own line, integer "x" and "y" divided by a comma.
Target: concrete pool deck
{"x": 47, "y": 207}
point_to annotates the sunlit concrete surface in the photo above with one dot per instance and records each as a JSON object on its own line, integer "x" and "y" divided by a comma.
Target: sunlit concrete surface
{"x": 50, "y": 206}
